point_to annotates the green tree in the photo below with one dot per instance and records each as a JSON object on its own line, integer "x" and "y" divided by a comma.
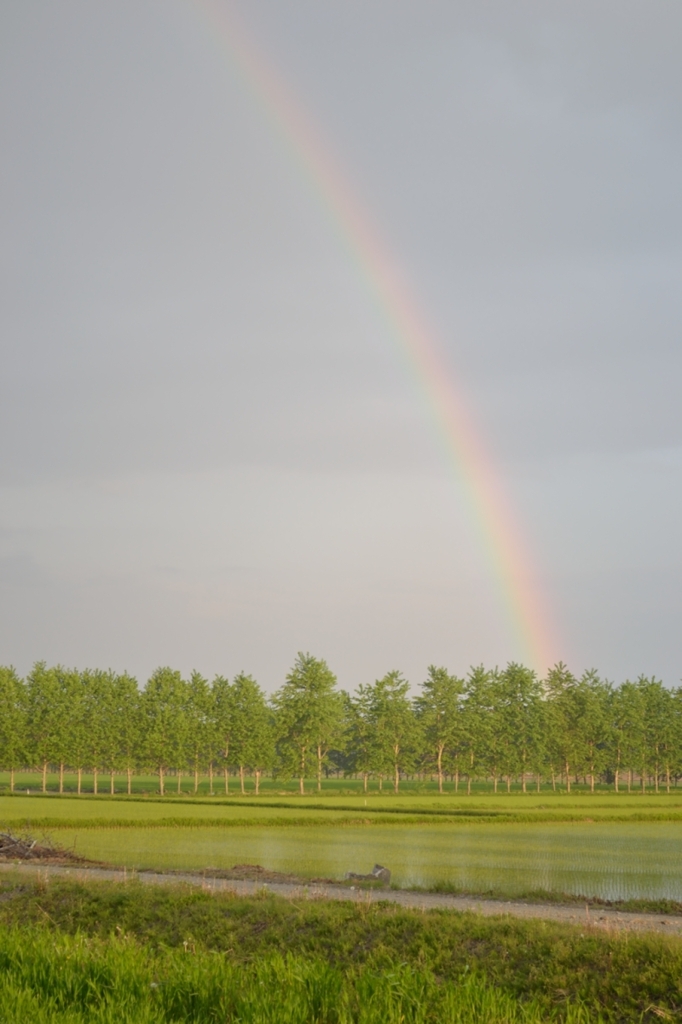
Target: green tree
{"x": 107, "y": 710}
{"x": 200, "y": 734}
{"x": 163, "y": 704}
{"x": 46, "y": 718}
{"x": 520, "y": 711}
{"x": 564, "y": 710}
{"x": 13, "y": 739}
{"x": 309, "y": 717}
{"x": 439, "y": 709}
{"x": 618, "y": 716}
{"x": 69, "y": 690}
{"x": 395, "y": 724}
{"x": 96, "y": 699}
{"x": 479, "y": 707}
{"x": 128, "y": 725}
{"x": 676, "y": 733}
{"x": 65, "y": 687}
{"x": 659, "y": 728}
{"x": 222, "y": 710}
{"x": 117, "y": 707}
{"x": 361, "y": 732}
{"x": 79, "y": 737}
{"x": 594, "y": 724}
{"x": 632, "y": 711}
{"x": 252, "y": 733}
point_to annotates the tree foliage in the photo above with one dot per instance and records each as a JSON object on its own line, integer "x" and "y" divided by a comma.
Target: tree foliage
{"x": 497, "y": 725}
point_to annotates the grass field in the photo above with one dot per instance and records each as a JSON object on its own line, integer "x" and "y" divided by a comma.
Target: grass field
{"x": 105, "y": 952}
{"x": 76, "y": 980}
{"x": 148, "y": 785}
{"x": 73, "y": 953}
{"x": 327, "y": 807}
{"x": 613, "y": 847}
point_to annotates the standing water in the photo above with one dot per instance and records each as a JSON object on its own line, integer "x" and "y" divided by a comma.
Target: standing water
{"x": 612, "y": 860}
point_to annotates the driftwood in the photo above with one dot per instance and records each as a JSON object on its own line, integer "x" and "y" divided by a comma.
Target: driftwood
{"x": 26, "y": 848}
{"x": 377, "y": 874}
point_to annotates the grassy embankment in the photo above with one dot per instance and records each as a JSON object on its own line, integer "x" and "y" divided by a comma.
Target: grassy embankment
{"x": 103, "y": 952}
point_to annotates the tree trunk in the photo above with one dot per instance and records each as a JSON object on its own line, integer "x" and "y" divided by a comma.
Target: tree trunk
{"x": 537, "y": 779}
{"x": 257, "y": 777}
{"x": 130, "y": 780}
{"x": 319, "y": 768}
{"x": 667, "y": 779}
{"x": 553, "y": 781}
{"x": 179, "y": 781}
{"x": 509, "y": 783}
{"x": 440, "y": 768}
{"x": 94, "y": 781}
{"x": 210, "y": 778}
{"x": 364, "y": 782}
{"x": 44, "y": 776}
{"x": 241, "y": 778}
{"x": 615, "y": 779}
{"x": 11, "y": 780}
{"x": 523, "y": 782}
{"x": 468, "y": 785}
{"x": 396, "y": 776}
{"x": 592, "y": 781}
{"x": 79, "y": 773}
{"x": 301, "y": 775}
{"x": 568, "y": 778}
{"x": 630, "y": 781}
{"x": 227, "y": 782}
{"x": 61, "y": 778}
{"x": 112, "y": 784}
{"x": 196, "y": 778}
{"x": 161, "y": 780}
{"x": 457, "y": 780}
{"x": 643, "y": 781}
{"x": 381, "y": 783}
{"x": 495, "y": 783}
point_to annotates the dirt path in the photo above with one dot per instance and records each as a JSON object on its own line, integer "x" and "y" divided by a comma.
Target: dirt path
{"x": 602, "y": 917}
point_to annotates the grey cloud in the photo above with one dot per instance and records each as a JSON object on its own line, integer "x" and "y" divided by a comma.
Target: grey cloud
{"x": 183, "y": 337}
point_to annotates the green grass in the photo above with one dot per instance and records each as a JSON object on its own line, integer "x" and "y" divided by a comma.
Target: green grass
{"x": 70, "y": 810}
{"x": 105, "y": 952}
{"x": 148, "y": 786}
{"x": 553, "y": 897}
{"x": 77, "y": 980}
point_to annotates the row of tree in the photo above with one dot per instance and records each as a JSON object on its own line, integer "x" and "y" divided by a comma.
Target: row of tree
{"x": 498, "y": 725}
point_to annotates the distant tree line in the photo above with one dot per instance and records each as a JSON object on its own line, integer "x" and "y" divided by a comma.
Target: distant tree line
{"x": 495, "y": 725}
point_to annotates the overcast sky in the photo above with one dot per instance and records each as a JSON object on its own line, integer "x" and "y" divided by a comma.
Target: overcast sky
{"x": 211, "y": 454}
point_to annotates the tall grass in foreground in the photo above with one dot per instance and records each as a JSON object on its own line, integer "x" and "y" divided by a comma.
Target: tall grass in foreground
{"x": 47, "y": 978}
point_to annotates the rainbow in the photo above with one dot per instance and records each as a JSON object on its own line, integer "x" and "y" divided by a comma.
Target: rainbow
{"x": 417, "y": 342}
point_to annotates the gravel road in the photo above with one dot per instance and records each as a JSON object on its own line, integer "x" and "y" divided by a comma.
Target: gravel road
{"x": 574, "y": 914}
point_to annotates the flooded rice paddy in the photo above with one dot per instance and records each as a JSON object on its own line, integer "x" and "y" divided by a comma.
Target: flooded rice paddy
{"x": 611, "y": 860}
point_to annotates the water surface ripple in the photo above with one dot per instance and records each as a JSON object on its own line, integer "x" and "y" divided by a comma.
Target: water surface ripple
{"x": 611, "y": 860}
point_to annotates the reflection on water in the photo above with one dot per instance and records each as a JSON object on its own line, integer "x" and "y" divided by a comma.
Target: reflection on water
{"x": 611, "y": 860}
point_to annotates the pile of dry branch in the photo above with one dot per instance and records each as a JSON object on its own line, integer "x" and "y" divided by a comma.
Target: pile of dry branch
{"x": 26, "y": 848}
